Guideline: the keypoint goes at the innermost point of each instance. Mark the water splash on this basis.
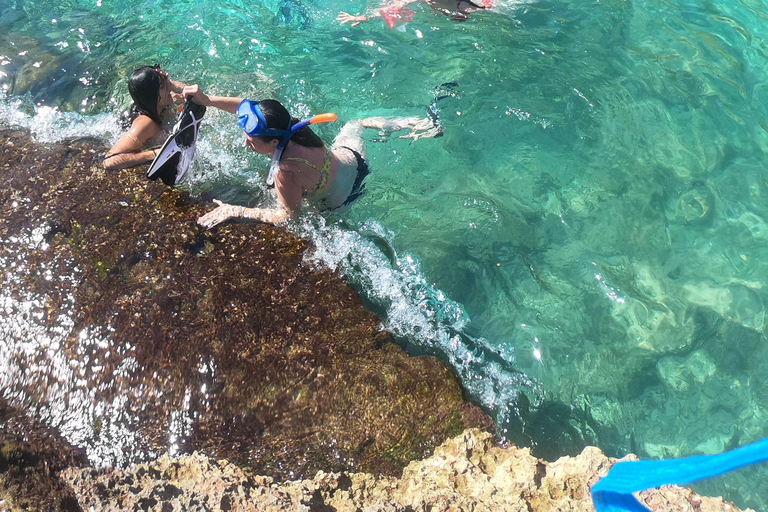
(58, 374)
(49, 124)
(418, 312)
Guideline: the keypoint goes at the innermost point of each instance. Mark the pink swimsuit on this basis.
(394, 13)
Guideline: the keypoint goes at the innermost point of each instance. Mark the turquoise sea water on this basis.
(590, 232)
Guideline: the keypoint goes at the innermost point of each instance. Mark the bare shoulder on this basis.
(290, 175)
(143, 125)
(142, 129)
(289, 167)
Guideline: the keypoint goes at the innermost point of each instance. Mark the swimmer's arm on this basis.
(355, 20)
(288, 200)
(126, 160)
(177, 88)
(128, 152)
(270, 216)
(223, 212)
(226, 103)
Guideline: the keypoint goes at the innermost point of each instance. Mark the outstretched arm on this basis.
(226, 103)
(288, 200)
(355, 19)
(223, 212)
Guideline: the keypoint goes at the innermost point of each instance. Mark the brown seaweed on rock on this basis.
(237, 347)
(31, 456)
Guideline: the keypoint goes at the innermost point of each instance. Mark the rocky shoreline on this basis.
(222, 343)
(469, 473)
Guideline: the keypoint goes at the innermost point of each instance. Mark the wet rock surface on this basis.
(151, 335)
(31, 457)
(466, 473)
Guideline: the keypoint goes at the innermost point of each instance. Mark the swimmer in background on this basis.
(154, 95)
(329, 178)
(397, 12)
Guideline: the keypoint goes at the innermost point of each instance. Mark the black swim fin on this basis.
(442, 91)
(175, 156)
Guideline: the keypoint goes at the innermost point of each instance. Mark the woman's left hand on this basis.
(221, 213)
(166, 80)
(173, 87)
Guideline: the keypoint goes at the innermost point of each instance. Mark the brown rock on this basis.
(224, 339)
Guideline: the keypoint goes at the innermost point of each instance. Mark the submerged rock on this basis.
(135, 332)
(31, 457)
(467, 473)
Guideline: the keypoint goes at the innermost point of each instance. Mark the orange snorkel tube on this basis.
(322, 118)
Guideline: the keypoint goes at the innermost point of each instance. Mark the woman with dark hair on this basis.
(329, 178)
(154, 95)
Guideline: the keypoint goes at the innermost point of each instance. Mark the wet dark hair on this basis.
(144, 86)
(277, 118)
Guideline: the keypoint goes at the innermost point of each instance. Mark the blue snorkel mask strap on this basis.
(281, 146)
(274, 166)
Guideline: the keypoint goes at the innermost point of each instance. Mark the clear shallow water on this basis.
(591, 230)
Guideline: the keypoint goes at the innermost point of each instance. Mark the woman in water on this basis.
(329, 178)
(397, 12)
(153, 95)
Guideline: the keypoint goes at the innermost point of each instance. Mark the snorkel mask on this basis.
(251, 119)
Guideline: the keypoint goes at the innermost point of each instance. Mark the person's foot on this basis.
(442, 91)
(418, 127)
(387, 125)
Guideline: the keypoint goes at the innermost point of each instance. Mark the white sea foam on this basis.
(47, 124)
(36, 373)
(417, 312)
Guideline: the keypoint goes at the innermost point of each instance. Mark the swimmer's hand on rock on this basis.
(345, 17)
(223, 212)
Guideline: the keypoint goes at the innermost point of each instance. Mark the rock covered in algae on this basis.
(182, 339)
(31, 456)
(466, 473)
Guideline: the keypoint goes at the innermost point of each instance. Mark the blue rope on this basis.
(613, 493)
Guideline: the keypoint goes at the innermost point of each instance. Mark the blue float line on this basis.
(613, 492)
